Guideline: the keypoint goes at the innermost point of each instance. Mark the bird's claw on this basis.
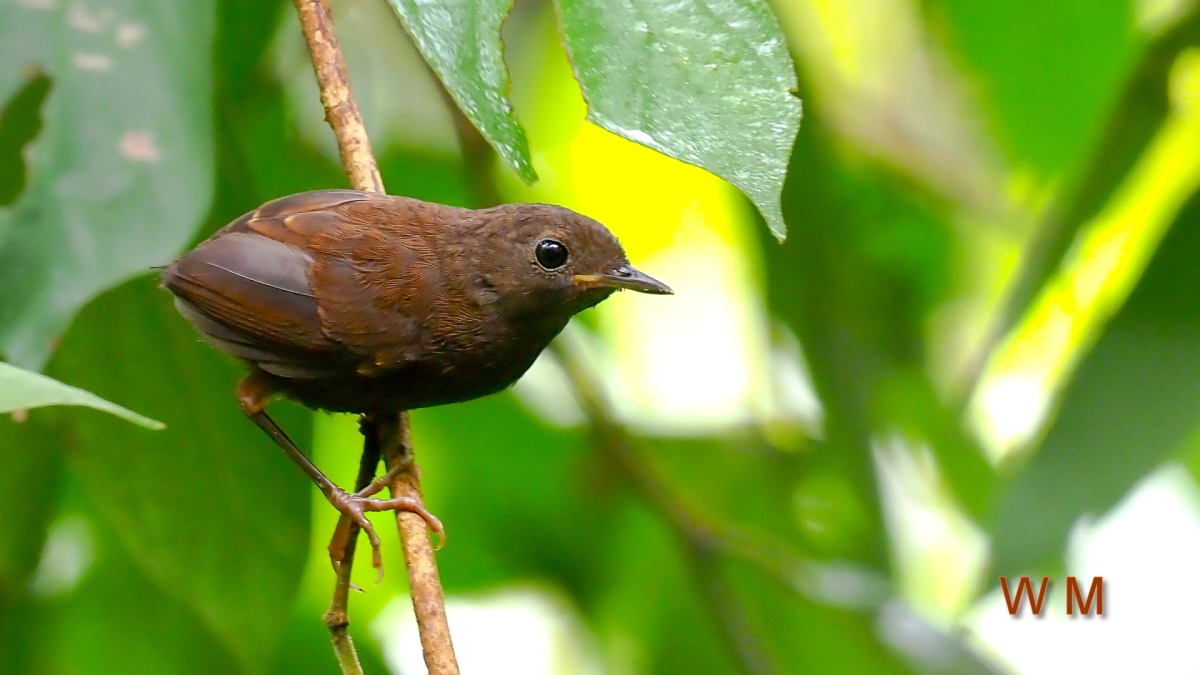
(353, 507)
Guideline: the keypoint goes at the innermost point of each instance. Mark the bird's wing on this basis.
(297, 219)
(317, 283)
(248, 291)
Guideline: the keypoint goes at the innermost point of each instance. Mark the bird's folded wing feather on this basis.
(250, 296)
(247, 289)
(310, 284)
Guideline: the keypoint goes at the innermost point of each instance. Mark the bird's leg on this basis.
(345, 535)
(252, 395)
(366, 487)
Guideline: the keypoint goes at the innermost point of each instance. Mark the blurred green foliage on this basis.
(768, 544)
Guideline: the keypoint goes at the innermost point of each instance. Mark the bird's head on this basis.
(548, 258)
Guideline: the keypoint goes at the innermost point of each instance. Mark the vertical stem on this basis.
(428, 603)
(341, 108)
(387, 435)
(337, 618)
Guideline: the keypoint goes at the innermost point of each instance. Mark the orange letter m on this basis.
(1075, 597)
(1025, 587)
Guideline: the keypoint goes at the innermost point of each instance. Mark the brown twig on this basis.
(387, 436)
(341, 108)
(336, 618)
(426, 586)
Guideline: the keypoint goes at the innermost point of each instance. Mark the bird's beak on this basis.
(628, 278)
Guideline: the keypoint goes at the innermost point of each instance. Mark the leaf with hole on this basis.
(121, 173)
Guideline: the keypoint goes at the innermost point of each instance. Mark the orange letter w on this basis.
(1024, 587)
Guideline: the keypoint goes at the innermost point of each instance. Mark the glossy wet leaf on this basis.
(461, 42)
(1133, 402)
(121, 173)
(22, 389)
(710, 84)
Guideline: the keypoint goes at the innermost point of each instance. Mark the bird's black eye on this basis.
(551, 254)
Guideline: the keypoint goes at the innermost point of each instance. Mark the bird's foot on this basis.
(353, 507)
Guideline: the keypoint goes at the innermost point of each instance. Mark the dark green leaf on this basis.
(32, 455)
(117, 620)
(708, 83)
(210, 509)
(461, 42)
(1133, 402)
(20, 122)
(22, 389)
(121, 174)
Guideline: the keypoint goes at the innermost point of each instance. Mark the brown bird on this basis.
(372, 304)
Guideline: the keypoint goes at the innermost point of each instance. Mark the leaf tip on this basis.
(527, 173)
(772, 213)
(778, 230)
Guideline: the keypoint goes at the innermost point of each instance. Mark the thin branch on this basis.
(390, 436)
(423, 579)
(727, 608)
(341, 108)
(337, 618)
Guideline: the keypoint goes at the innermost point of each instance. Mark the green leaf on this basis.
(461, 42)
(121, 174)
(1133, 402)
(32, 451)
(22, 389)
(710, 84)
(210, 509)
(152, 633)
(1049, 70)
